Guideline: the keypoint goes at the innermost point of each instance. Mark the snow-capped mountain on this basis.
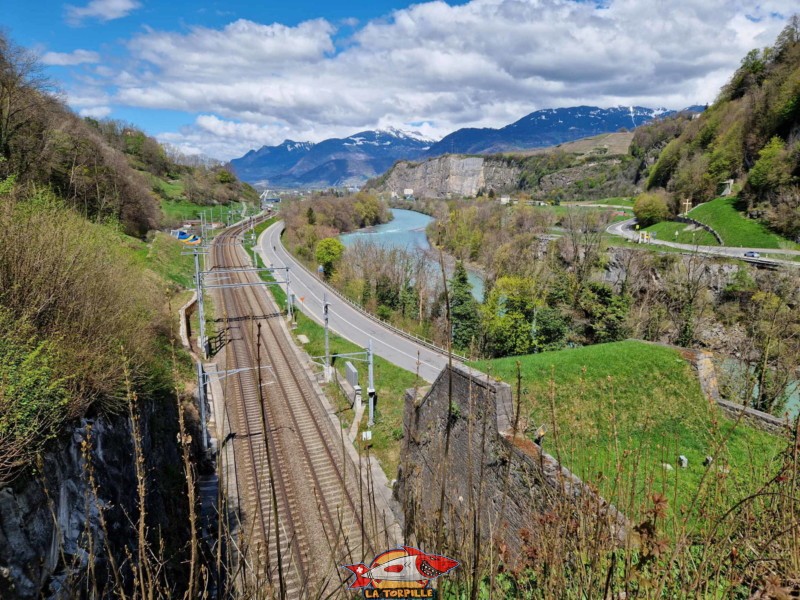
(270, 161)
(547, 127)
(354, 159)
(332, 162)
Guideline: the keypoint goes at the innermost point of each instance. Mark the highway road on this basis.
(626, 229)
(345, 319)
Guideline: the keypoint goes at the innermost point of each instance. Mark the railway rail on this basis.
(307, 506)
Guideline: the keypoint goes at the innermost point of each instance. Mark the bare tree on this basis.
(24, 100)
(686, 286)
(581, 245)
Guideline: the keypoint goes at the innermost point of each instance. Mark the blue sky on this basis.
(220, 77)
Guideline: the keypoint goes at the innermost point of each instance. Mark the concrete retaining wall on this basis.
(706, 373)
(754, 418)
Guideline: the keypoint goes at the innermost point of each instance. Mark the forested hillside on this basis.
(87, 335)
(750, 134)
(105, 170)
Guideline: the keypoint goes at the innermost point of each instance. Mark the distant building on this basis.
(505, 200)
(408, 194)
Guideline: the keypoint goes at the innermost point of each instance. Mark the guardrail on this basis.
(410, 336)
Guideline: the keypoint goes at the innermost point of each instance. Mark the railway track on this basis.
(306, 507)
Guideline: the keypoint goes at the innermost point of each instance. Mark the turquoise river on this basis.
(406, 230)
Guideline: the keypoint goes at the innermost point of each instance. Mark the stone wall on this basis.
(703, 363)
(497, 486)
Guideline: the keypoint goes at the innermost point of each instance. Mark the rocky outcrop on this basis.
(572, 175)
(451, 176)
(55, 523)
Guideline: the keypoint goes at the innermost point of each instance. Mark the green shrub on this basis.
(665, 166)
(770, 170)
(33, 400)
(651, 208)
(329, 252)
(79, 286)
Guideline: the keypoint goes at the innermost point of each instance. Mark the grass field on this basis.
(560, 212)
(176, 211)
(615, 413)
(736, 229)
(172, 189)
(609, 143)
(174, 206)
(687, 234)
(164, 256)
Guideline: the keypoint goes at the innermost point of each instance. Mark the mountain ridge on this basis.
(351, 161)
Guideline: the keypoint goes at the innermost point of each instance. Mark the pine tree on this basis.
(463, 309)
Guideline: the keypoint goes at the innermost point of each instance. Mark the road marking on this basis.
(369, 335)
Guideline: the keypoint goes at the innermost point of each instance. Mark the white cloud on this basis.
(102, 10)
(483, 63)
(87, 98)
(76, 57)
(241, 49)
(95, 112)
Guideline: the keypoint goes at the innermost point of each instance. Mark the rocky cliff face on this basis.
(451, 176)
(56, 526)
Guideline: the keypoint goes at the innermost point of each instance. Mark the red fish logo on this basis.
(404, 567)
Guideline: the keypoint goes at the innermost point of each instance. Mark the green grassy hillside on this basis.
(747, 135)
(687, 234)
(616, 412)
(735, 228)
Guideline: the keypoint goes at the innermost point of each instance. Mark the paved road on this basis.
(346, 320)
(625, 229)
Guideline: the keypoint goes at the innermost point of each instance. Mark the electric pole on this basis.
(370, 386)
(201, 313)
(325, 305)
(289, 299)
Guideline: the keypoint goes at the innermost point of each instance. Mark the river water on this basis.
(406, 230)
